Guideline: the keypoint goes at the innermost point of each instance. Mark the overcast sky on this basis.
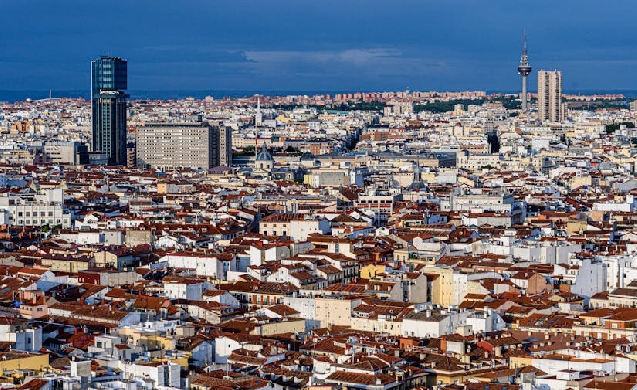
(302, 45)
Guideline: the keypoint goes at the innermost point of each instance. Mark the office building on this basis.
(190, 145)
(58, 152)
(109, 80)
(225, 146)
(549, 91)
(34, 209)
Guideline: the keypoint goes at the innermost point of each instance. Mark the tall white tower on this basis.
(258, 118)
(524, 69)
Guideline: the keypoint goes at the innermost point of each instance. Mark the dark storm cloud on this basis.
(312, 45)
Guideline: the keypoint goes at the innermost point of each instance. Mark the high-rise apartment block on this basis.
(225, 146)
(190, 145)
(109, 80)
(549, 91)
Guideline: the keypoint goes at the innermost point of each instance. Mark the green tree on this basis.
(610, 129)
(445, 106)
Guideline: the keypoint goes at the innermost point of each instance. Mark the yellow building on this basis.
(11, 361)
(393, 328)
(574, 226)
(289, 325)
(579, 181)
(181, 360)
(372, 270)
(442, 287)
(428, 177)
(466, 181)
(400, 255)
(336, 310)
(67, 264)
(149, 338)
(475, 287)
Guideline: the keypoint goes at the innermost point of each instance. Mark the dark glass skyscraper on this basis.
(109, 80)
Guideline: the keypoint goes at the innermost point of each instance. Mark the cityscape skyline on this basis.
(285, 195)
(220, 49)
(14, 96)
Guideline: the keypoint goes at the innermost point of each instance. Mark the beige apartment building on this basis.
(190, 145)
(549, 91)
(333, 310)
